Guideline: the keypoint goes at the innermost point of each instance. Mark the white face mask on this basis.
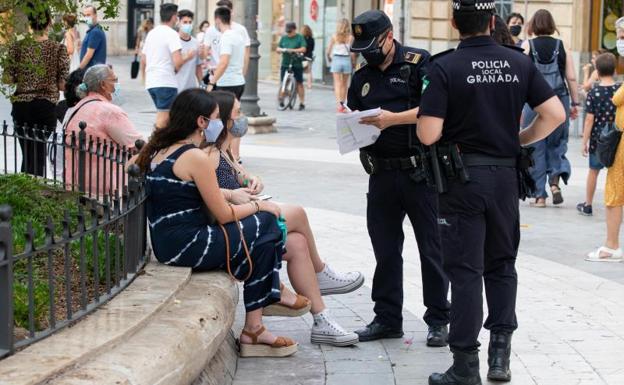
(620, 46)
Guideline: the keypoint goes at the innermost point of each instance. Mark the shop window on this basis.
(504, 7)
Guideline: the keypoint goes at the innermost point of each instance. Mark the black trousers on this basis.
(26, 114)
(392, 195)
(479, 224)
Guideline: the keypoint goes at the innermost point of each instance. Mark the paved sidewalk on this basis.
(571, 324)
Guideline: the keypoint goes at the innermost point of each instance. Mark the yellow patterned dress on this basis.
(614, 189)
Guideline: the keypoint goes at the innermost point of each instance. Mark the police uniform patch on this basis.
(357, 30)
(365, 89)
(425, 84)
(412, 57)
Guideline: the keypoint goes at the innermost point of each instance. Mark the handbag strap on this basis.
(74, 112)
(227, 248)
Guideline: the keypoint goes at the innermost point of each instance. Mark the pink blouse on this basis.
(109, 123)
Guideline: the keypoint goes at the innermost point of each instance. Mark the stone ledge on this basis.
(261, 125)
(107, 327)
(175, 346)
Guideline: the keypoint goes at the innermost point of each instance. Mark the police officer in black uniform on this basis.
(391, 79)
(471, 105)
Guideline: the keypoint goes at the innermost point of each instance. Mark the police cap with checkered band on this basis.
(466, 6)
(367, 27)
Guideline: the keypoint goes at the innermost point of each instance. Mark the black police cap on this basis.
(473, 5)
(367, 27)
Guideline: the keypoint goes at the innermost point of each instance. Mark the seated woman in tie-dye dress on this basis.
(185, 207)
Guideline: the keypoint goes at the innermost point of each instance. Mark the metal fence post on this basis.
(6, 281)
(82, 156)
(132, 225)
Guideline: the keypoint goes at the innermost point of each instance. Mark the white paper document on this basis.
(351, 134)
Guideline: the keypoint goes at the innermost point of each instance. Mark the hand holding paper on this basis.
(351, 134)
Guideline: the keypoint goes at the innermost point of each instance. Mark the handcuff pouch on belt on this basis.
(446, 164)
(526, 184)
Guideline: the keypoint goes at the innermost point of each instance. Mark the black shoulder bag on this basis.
(607, 144)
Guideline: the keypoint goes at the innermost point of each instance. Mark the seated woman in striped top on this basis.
(308, 274)
(192, 225)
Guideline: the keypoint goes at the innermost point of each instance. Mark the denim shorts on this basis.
(163, 97)
(594, 162)
(341, 64)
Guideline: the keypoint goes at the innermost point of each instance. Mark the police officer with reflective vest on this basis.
(391, 79)
(471, 106)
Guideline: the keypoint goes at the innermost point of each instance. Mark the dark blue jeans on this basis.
(550, 153)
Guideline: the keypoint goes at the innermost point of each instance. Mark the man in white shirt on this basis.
(228, 76)
(232, 59)
(162, 58)
(212, 39)
(190, 74)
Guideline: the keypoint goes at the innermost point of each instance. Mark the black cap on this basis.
(465, 6)
(367, 27)
(291, 26)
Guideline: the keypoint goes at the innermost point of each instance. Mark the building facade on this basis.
(584, 25)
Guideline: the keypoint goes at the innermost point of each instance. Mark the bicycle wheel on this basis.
(293, 92)
(283, 90)
(290, 91)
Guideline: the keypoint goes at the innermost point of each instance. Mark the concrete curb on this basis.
(164, 329)
(128, 312)
(175, 346)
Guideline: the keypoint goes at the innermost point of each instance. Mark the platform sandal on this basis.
(301, 306)
(281, 347)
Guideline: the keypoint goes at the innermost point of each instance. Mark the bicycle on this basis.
(287, 95)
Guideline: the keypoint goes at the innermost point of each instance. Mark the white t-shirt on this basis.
(212, 39)
(160, 44)
(232, 44)
(186, 75)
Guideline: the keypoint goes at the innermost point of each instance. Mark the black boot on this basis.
(465, 371)
(498, 357)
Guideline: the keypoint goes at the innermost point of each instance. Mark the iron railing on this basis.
(71, 265)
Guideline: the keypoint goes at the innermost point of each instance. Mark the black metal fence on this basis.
(66, 267)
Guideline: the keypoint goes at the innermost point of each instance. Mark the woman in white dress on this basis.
(71, 40)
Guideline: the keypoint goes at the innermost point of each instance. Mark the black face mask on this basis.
(375, 57)
(515, 30)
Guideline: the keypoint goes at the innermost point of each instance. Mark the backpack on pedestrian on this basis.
(550, 69)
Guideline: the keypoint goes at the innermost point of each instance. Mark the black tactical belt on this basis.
(373, 164)
(472, 160)
(408, 163)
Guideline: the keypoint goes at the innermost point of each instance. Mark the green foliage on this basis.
(36, 201)
(14, 25)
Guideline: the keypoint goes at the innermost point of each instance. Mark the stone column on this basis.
(258, 123)
(249, 100)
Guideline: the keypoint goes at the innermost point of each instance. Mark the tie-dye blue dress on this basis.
(181, 235)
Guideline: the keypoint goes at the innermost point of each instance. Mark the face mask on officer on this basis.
(377, 56)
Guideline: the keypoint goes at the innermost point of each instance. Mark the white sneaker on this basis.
(332, 282)
(327, 331)
(615, 255)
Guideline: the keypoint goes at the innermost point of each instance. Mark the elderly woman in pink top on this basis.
(105, 121)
